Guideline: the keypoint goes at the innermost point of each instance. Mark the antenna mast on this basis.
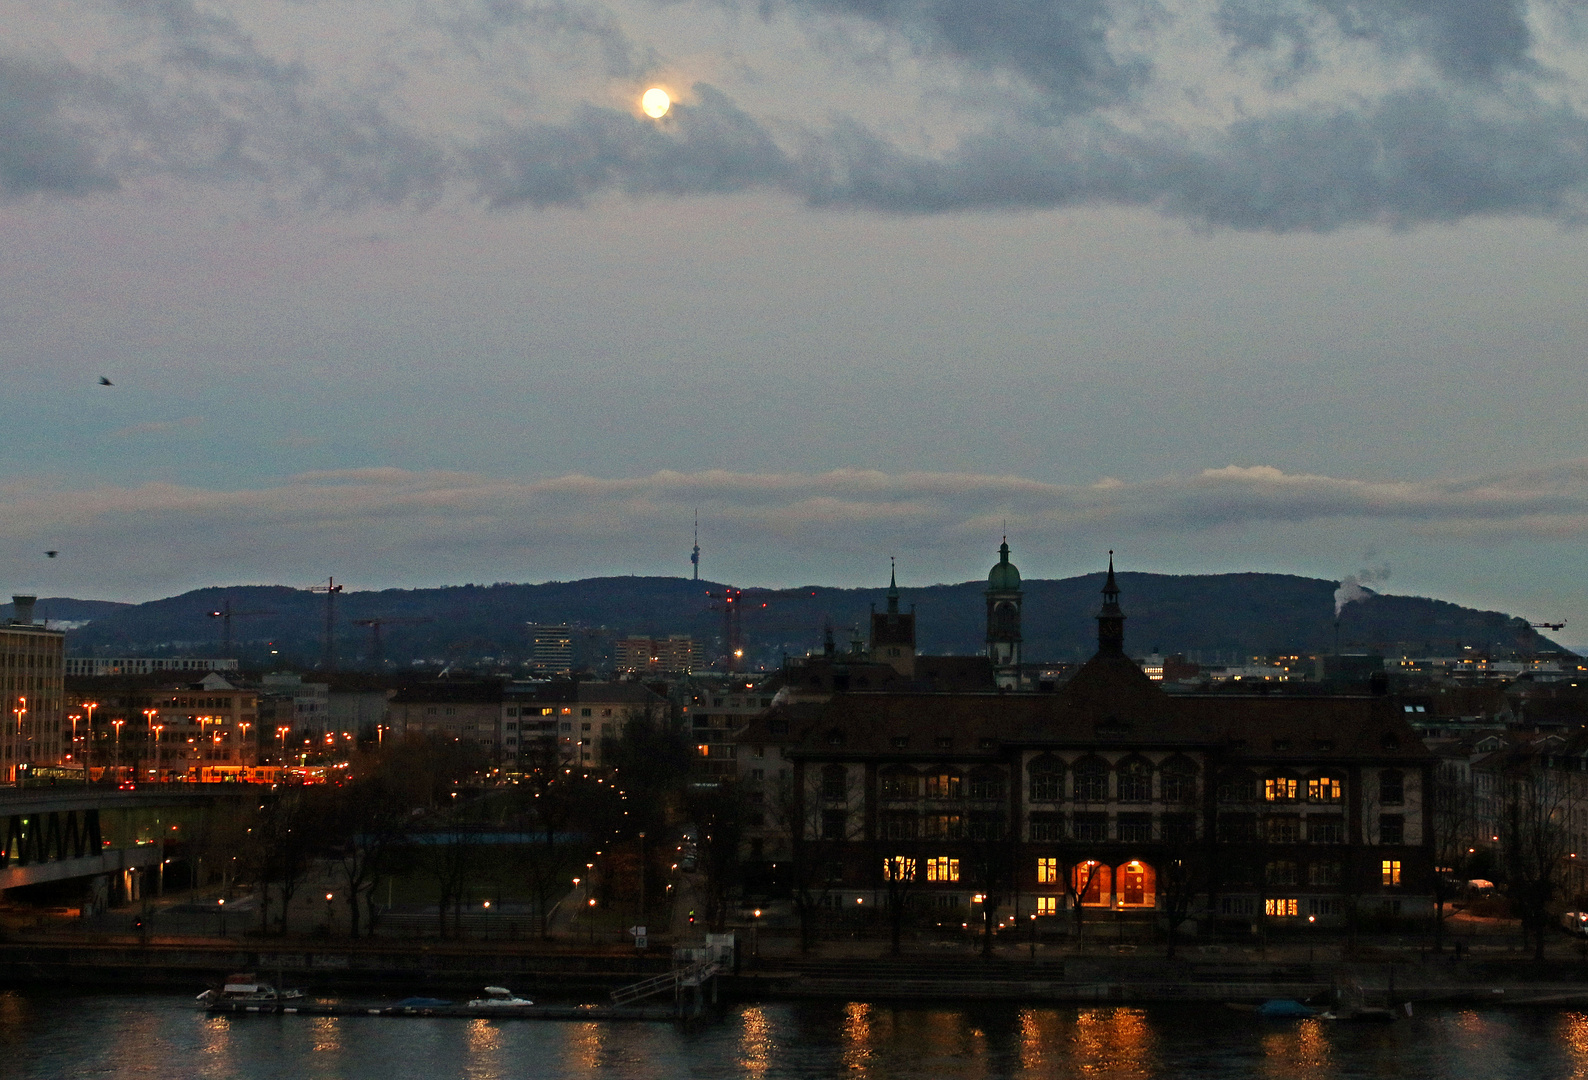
(694, 556)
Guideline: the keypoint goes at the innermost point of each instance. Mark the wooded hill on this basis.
(1212, 617)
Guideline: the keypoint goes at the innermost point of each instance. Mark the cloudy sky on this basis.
(411, 292)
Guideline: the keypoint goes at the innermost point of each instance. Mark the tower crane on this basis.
(376, 652)
(330, 589)
(226, 615)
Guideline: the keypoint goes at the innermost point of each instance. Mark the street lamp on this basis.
(74, 719)
(328, 914)
(222, 903)
(117, 725)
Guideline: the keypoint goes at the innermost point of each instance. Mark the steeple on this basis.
(1110, 619)
(1004, 599)
(893, 587)
(893, 631)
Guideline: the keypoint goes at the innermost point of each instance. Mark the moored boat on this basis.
(246, 989)
(499, 997)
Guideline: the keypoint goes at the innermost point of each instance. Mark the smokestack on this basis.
(23, 609)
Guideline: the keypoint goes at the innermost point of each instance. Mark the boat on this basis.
(499, 997)
(1351, 1006)
(1275, 1009)
(246, 989)
(422, 1003)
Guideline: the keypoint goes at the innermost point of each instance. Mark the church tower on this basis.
(893, 632)
(1110, 619)
(1003, 620)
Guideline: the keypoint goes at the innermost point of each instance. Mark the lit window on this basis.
(1047, 905)
(898, 868)
(1323, 789)
(1047, 871)
(1279, 789)
(1391, 871)
(1281, 907)
(942, 868)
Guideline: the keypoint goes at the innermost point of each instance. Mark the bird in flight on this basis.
(105, 382)
(52, 554)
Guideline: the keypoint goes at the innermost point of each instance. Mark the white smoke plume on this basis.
(1353, 587)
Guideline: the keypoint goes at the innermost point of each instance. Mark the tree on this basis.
(1078, 881)
(281, 844)
(1453, 821)
(1181, 878)
(989, 861)
(816, 838)
(898, 875)
(1532, 819)
(719, 816)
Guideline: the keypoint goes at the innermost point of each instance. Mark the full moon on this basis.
(656, 102)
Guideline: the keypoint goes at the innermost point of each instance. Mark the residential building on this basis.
(553, 648)
(102, 667)
(204, 731)
(676, 654)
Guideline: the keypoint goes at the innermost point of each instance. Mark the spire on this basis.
(893, 587)
(694, 556)
(1110, 619)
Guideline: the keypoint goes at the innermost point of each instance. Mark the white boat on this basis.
(499, 997)
(246, 989)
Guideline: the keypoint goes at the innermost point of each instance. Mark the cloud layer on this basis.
(1292, 115)
(394, 522)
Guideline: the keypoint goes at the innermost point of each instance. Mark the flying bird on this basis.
(52, 554)
(105, 382)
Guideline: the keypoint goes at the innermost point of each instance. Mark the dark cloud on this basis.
(1059, 46)
(40, 149)
(1464, 39)
(473, 23)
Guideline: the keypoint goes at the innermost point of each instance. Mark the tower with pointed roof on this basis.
(1004, 598)
(893, 631)
(1110, 619)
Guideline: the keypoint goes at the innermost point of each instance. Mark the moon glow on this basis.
(656, 103)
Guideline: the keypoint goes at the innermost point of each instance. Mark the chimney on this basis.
(23, 609)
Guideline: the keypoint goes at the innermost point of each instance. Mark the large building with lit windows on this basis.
(1104, 793)
(32, 684)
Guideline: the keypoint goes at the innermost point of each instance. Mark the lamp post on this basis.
(642, 877)
(755, 937)
(117, 725)
(74, 719)
(222, 904)
(148, 718)
(328, 914)
(159, 730)
(21, 710)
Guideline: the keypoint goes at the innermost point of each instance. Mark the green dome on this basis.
(1003, 577)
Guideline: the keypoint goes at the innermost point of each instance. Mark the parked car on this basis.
(1575, 923)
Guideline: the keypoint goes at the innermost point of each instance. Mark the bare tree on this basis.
(1078, 879)
(1534, 843)
(990, 865)
(1182, 877)
(1453, 821)
(816, 837)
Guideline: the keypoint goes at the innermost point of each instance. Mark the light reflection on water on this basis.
(59, 1037)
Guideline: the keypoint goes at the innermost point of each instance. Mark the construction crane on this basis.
(226, 615)
(1548, 625)
(330, 589)
(376, 652)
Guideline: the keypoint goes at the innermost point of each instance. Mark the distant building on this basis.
(553, 651)
(1004, 598)
(289, 702)
(101, 667)
(893, 633)
(676, 654)
(32, 686)
(205, 731)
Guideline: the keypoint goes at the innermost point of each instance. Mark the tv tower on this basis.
(694, 556)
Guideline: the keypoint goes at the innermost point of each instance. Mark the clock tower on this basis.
(1003, 620)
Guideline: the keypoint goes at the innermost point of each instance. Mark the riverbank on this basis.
(864, 974)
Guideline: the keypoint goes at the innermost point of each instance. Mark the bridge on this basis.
(102, 835)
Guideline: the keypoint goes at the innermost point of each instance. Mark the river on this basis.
(54, 1036)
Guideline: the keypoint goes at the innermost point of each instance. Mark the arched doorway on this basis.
(1094, 883)
(1137, 885)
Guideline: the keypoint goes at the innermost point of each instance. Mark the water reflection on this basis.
(755, 1042)
(1115, 1043)
(856, 1035)
(587, 1045)
(1297, 1053)
(327, 1034)
(1574, 1039)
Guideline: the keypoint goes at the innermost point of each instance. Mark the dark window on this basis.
(899, 826)
(1091, 828)
(987, 744)
(835, 782)
(835, 737)
(945, 742)
(986, 787)
(901, 786)
(1135, 781)
(1324, 872)
(1391, 829)
(1047, 827)
(1047, 780)
(1178, 781)
(1284, 830)
(779, 725)
(835, 824)
(1280, 872)
(1091, 781)
(1179, 828)
(901, 742)
(942, 827)
(1237, 788)
(986, 826)
(1325, 830)
(1391, 787)
(1135, 828)
(1238, 828)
